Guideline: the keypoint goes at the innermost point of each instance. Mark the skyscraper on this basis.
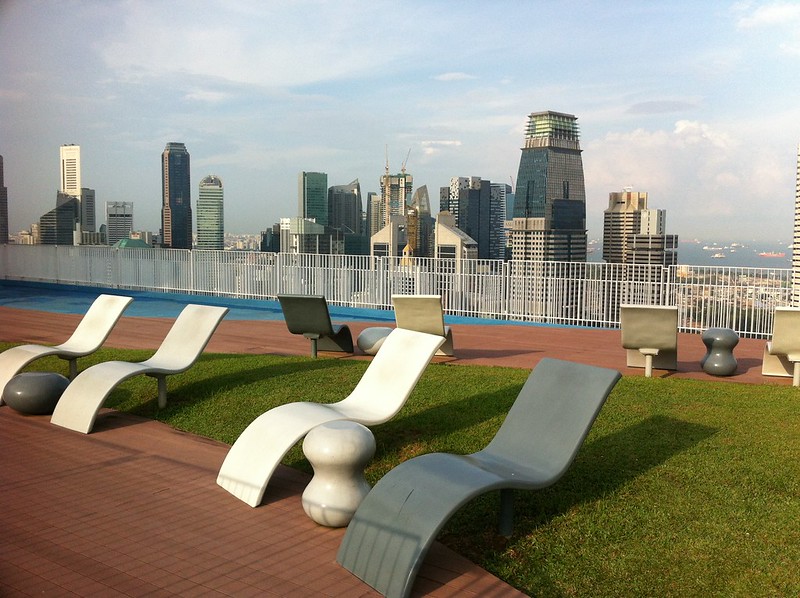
(70, 169)
(550, 198)
(312, 196)
(71, 186)
(796, 240)
(395, 192)
(345, 207)
(420, 224)
(634, 234)
(119, 220)
(478, 211)
(210, 214)
(176, 194)
(3, 207)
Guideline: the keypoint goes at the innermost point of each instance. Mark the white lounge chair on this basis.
(90, 334)
(423, 313)
(650, 336)
(79, 405)
(782, 353)
(378, 396)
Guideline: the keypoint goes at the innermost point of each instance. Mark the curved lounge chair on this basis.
(378, 396)
(308, 315)
(396, 523)
(90, 334)
(78, 407)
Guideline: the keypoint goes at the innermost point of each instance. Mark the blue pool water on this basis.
(68, 299)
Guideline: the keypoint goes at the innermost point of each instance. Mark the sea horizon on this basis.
(737, 254)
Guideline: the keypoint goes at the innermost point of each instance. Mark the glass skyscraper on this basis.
(550, 198)
(176, 206)
(210, 214)
(312, 196)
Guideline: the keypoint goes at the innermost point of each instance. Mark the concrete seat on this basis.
(782, 352)
(35, 393)
(650, 336)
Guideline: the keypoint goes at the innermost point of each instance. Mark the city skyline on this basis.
(693, 103)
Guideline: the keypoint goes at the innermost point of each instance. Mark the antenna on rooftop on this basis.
(387, 158)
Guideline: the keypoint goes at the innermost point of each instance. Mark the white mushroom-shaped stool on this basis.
(338, 451)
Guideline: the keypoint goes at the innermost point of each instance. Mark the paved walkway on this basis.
(133, 508)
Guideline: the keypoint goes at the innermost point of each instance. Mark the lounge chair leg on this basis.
(73, 368)
(505, 524)
(648, 366)
(796, 374)
(314, 348)
(162, 391)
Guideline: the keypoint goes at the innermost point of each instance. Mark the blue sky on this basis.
(697, 103)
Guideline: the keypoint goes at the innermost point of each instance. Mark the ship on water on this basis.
(772, 254)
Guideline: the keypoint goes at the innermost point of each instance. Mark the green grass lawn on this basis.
(683, 487)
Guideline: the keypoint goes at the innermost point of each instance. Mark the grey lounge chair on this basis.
(89, 335)
(396, 523)
(78, 407)
(308, 315)
(378, 396)
(650, 336)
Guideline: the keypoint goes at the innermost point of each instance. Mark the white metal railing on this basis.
(581, 294)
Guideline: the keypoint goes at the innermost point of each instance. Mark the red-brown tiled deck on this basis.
(133, 509)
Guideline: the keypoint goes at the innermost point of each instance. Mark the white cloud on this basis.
(454, 77)
(767, 15)
(694, 133)
(433, 147)
(206, 95)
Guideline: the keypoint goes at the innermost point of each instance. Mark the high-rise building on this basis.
(634, 234)
(3, 207)
(550, 198)
(176, 197)
(478, 211)
(70, 185)
(374, 219)
(303, 235)
(395, 192)
(345, 207)
(312, 196)
(58, 226)
(70, 169)
(119, 221)
(88, 212)
(420, 225)
(210, 214)
(796, 240)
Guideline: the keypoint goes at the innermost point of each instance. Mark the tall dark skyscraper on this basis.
(3, 207)
(550, 199)
(176, 207)
(312, 196)
(345, 207)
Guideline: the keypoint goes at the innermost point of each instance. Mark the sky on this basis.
(695, 103)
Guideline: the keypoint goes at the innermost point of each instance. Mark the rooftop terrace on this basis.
(133, 509)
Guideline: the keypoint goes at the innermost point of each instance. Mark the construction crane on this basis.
(403, 169)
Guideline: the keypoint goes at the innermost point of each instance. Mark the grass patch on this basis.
(683, 487)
